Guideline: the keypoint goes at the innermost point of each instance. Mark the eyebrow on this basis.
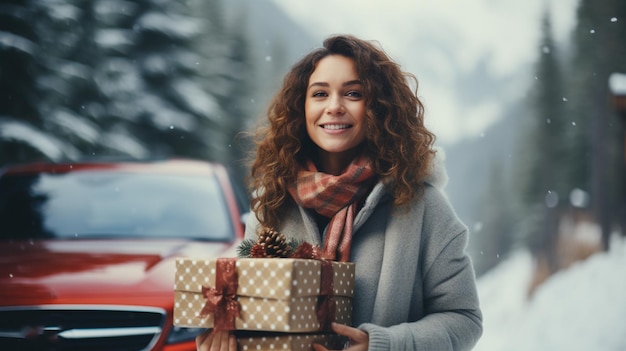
(348, 83)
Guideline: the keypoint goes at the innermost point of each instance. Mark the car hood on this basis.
(47, 271)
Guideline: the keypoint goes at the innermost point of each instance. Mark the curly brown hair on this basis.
(397, 142)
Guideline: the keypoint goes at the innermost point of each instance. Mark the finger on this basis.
(353, 334)
(224, 341)
(232, 343)
(203, 341)
(216, 343)
(319, 347)
(358, 340)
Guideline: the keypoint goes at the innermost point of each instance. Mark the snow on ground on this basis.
(581, 308)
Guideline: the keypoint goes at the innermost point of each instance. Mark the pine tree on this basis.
(151, 94)
(237, 104)
(545, 151)
(66, 55)
(22, 125)
(599, 50)
(228, 75)
(118, 78)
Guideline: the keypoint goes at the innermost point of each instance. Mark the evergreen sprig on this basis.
(245, 248)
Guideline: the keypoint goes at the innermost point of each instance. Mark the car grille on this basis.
(54, 327)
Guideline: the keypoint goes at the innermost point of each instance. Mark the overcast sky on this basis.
(451, 36)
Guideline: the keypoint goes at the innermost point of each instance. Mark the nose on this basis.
(335, 106)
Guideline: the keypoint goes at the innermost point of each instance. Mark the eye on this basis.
(354, 94)
(319, 94)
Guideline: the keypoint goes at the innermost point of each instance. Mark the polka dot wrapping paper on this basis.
(287, 342)
(274, 294)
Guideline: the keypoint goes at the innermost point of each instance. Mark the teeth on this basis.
(336, 126)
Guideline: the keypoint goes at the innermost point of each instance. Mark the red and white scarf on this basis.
(336, 197)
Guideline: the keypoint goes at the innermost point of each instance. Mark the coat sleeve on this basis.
(451, 319)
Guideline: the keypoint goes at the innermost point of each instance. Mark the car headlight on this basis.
(180, 334)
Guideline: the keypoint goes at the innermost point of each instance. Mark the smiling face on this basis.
(335, 112)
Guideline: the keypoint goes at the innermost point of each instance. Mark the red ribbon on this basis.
(307, 251)
(221, 300)
(326, 305)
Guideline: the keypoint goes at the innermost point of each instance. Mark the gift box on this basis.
(272, 294)
(256, 341)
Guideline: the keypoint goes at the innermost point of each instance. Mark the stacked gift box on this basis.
(273, 303)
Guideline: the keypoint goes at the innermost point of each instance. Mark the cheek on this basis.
(308, 118)
(311, 113)
(360, 115)
(307, 109)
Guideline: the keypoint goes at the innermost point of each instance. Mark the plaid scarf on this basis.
(336, 197)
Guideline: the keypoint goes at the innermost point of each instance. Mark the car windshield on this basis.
(92, 204)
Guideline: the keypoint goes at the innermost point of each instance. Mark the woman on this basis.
(346, 163)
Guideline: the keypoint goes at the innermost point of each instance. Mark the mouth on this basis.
(336, 126)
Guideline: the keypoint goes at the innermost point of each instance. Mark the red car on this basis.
(87, 250)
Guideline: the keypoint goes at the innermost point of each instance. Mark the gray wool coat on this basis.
(415, 284)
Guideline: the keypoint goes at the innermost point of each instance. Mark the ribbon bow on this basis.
(221, 300)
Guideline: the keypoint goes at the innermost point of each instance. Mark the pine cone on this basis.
(274, 243)
(258, 251)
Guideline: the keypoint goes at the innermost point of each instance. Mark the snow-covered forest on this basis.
(543, 193)
(557, 159)
(131, 79)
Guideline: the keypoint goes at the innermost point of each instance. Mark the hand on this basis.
(358, 339)
(212, 340)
